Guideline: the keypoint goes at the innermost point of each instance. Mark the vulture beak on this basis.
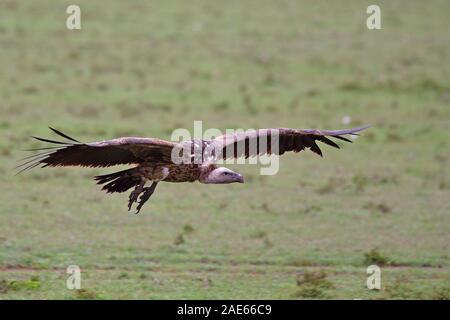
(239, 178)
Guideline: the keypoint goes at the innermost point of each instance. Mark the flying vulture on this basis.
(153, 158)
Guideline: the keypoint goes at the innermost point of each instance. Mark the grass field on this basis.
(145, 68)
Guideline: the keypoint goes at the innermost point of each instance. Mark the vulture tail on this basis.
(119, 181)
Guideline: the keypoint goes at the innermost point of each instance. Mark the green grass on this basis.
(146, 68)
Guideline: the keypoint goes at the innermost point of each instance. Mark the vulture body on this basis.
(153, 159)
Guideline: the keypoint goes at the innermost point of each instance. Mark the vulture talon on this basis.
(135, 195)
(132, 199)
(145, 196)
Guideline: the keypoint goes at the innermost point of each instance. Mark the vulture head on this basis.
(222, 175)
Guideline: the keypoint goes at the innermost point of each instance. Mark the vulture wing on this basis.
(259, 142)
(126, 150)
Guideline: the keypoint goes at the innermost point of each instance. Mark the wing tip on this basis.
(63, 134)
(359, 129)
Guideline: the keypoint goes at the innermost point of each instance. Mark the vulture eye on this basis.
(226, 173)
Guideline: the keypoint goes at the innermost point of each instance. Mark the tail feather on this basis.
(118, 181)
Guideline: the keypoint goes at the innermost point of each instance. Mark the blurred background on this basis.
(144, 68)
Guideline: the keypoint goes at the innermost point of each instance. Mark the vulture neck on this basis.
(205, 170)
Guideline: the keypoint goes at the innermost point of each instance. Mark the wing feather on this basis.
(237, 145)
(125, 150)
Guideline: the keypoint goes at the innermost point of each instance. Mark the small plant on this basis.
(375, 257)
(311, 293)
(30, 284)
(331, 185)
(188, 229)
(272, 109)
(442, 294)
(266, 207)
(327, 188)
(223, 205)
(313, 285)
(399, 289)
(301, 262)
(3, 286)
(179, 240)
(360, 181)
(318, 279)
(268, 243)
(84, 294)
(220, 106)
(258, 234)
(380, 207)
(310, 209)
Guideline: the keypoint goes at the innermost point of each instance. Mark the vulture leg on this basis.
(146, 195)
(135, 194)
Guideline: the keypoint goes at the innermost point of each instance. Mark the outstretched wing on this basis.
(259, 142)
(126, 150)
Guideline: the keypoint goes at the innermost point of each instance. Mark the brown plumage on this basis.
(153, 158)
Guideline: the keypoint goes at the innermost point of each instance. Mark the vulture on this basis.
(154, 160)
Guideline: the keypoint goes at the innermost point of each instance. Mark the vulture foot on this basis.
(145, 196)
(135, 194)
